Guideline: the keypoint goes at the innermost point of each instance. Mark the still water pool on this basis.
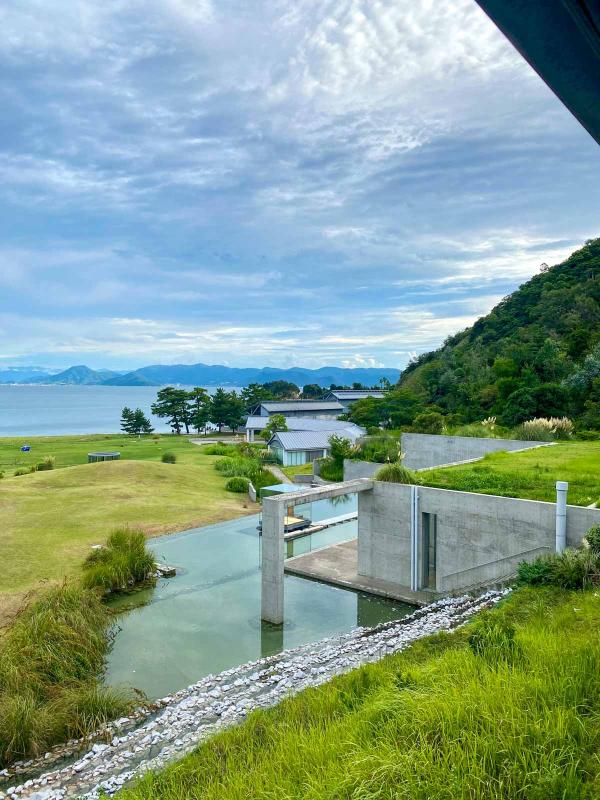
(207, 619)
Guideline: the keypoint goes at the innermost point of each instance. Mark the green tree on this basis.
(200, 408)
(429, 422)
(276, 423)
(127, 420)
(254, 394)
(311, 391)
(282, 390)
(218, 409)
(227, 408)
(235, 411)
(173, 404)
(141, 423)
(340, 448)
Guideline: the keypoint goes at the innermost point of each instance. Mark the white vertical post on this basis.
(561, 515)
(414, 538)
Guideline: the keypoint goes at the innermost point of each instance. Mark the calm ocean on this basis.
(59, 410)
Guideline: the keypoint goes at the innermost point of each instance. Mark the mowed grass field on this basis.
(50, 519)
(531, 474)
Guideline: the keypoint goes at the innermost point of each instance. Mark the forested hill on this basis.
(537, 353)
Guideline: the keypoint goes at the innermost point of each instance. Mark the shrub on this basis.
(380, 449)
(46, 463)
(237, 484)
(168, 458)
(429, 422)
(217, 449)
(571, 569)
(593, 539)
(124, 562)
(331, 470)
(237, 467)
(249, 449)
(575, 569)
(396, 473)
(263, 477)
(1, 474)
(24, 471)
(535, 573)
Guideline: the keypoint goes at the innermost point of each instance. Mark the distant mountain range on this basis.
(197, 375)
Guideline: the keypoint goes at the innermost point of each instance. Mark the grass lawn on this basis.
(71, 450)
(513, 717)
(531, 474)
(50, 519)
(302, 469)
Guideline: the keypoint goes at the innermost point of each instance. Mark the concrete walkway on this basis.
(338, 565)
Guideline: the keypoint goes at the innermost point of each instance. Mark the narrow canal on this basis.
(207, 618)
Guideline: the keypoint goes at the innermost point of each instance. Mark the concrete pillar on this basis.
(414, 538)
(272, 561)
(561, 515)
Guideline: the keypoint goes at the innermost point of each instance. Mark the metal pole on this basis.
(561, 515)
(414, 538)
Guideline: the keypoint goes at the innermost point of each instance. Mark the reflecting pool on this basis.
(207, 619)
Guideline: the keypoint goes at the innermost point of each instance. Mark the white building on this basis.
(256, 425)
(293, 448)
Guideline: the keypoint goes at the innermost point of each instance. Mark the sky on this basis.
(272, 182)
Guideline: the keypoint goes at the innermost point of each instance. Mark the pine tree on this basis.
(127, 421)
(200, 408)
(172, 404)
(141, 422)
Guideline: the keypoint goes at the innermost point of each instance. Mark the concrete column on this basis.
(272, 561)
(561, 515)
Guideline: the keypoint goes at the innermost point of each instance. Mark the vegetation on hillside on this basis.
(536, 354)
(505, 708)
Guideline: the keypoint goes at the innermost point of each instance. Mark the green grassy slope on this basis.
(50, 519)
(531, 474)
(437, 722)
(71, 450)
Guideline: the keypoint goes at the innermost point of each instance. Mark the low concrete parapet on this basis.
(423, 450)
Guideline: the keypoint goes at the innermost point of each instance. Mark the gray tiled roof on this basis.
(304, 424)
(355, 394)
(280, 406)
(313, 440)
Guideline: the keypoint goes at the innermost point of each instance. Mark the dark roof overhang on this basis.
(561, 41)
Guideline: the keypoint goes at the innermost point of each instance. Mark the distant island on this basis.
(198, 375)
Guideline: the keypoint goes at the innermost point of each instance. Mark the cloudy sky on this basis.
(271, 181)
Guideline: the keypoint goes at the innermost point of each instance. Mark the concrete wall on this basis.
(423, 450)
(480, 538)
(359, 469)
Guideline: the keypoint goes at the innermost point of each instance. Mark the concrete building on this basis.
(294, 448)
(256, 425)
(318, 409)
(348, 396)
(417, 543)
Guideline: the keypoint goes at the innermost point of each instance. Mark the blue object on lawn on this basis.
(26, 448)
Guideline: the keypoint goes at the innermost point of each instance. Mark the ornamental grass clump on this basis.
(237, 484)
(545, 429)
(124, 562)
(169, 458)
(52, 658)
(48, 462)
(396, 473)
